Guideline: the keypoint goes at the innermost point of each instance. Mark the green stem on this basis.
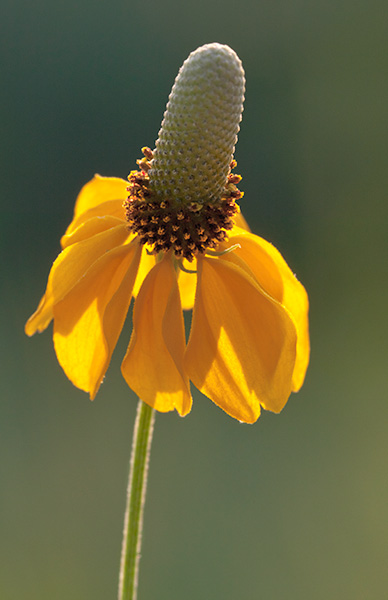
(130, 553)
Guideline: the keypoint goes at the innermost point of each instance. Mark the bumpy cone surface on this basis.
(199, 131)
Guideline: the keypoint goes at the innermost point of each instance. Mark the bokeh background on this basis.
(295, 506)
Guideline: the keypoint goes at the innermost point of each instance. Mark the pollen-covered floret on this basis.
(188, 229)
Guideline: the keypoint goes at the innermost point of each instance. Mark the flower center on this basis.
(188, 229)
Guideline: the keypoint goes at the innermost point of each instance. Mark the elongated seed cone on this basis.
(199, 130)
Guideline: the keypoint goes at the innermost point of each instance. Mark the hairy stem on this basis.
(133, 523)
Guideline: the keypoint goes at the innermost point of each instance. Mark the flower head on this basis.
(173, 238)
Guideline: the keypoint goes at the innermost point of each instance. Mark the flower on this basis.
(248, 345)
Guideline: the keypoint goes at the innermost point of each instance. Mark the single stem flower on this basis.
(173, 238)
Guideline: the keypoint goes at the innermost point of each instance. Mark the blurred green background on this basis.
(295, 506)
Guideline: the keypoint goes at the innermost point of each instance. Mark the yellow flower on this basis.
(248, 345)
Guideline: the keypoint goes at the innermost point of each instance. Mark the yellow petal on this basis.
(41, 318)
(146, 264)
(153, 365)
(101, 196)
(242, 345)
(88, 321)
(241, 222)
(68, 268)
(89, 228)
(274, 275)
(99, 190)
(187, 283)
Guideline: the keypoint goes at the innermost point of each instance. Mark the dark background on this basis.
(295, 506)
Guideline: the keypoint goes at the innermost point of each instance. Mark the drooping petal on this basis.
(68, 268)
(242, 345)
(146, 264)
(90, 228)
(113, 208)
(186, 281)
(99, 190)
(153, 365)
(88, 321)
(187, 284)
(102, 196)
(274, 275)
